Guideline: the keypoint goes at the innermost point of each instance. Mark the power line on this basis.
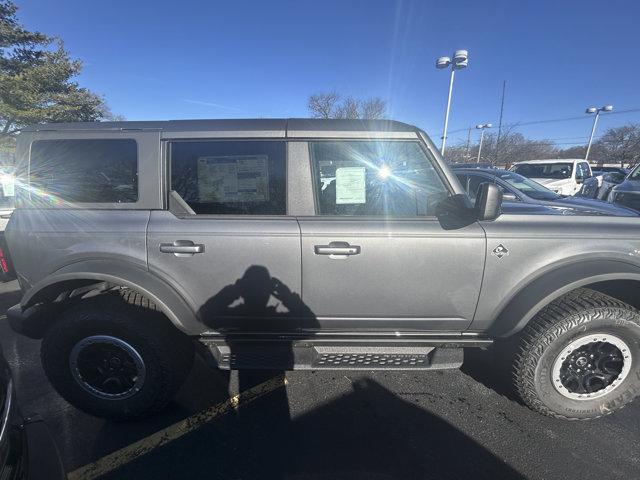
(553, 120)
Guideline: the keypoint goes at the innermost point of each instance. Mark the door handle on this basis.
(182, 248)
(337, 248)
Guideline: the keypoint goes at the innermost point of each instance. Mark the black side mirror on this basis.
(488, 202)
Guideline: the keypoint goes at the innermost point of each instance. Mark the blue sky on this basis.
(238, 59)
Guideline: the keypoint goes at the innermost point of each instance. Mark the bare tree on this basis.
(373, 108)
(332, 105)
(620, 145)
(323, 105)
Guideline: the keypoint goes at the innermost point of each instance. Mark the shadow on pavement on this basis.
(369, 433)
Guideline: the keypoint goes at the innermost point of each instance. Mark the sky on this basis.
(157, 60)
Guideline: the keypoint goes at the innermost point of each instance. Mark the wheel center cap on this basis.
(115, 362)
(582, 361)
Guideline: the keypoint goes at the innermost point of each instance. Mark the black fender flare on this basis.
(551, 285)
(177, 309)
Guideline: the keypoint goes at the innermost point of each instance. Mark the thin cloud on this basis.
(212, 104)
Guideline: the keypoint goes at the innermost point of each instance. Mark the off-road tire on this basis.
(573, 316)
(167, 354)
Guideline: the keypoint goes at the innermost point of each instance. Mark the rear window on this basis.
(223, 177)
(84, 171)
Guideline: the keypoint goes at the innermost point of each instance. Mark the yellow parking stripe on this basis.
(131, 452)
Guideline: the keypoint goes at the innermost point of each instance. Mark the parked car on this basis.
(604, 179)
(136, 240)
(627, 191)
(564, 176)
(27, 449)
(521, 195)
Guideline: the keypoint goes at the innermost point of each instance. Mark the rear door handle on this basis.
(182, 248)
(337, 248)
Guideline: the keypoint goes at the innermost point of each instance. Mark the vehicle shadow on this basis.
(491, 368)
(369, 433)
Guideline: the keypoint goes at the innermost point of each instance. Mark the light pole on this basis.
(482, 127)
(590, 110)
(460, 61)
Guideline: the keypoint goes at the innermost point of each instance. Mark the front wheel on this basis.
(579, 358)
(115, 360)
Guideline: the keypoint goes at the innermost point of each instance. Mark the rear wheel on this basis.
(115, 360)
(579, 358)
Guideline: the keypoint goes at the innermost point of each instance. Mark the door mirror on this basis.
(488, 202)
(613, 177)
(510, 197)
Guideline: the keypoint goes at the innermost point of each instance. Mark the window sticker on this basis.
(233, 178)
(351, 185)
(8, 185)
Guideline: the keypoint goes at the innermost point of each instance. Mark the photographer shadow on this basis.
(260, 304)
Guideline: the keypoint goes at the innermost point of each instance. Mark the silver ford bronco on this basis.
(304, 244)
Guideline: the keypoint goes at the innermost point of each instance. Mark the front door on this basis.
(375, 258)
(232, 252)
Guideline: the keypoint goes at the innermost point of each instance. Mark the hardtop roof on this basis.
(272, 127)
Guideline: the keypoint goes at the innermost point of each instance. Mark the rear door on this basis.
(374, 257)
(228, 244)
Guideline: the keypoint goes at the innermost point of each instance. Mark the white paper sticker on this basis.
(8, 185)
(233, 178)
(351, 185)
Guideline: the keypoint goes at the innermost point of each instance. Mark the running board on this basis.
(304, 356)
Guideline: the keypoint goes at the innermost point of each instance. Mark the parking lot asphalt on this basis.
(329, 425)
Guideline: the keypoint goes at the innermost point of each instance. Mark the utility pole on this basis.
(504, 86)
(467, 154)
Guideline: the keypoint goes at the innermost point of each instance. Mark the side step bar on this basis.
(323, 355)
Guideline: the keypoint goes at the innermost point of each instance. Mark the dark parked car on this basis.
(627, 193)
(522, 195)
(27, 450)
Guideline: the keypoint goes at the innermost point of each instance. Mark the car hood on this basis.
(590, 206)
(552, 182)
(629, 186)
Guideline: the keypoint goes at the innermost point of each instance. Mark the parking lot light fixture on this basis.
(590, 110)
(482, 127)
(460, 61)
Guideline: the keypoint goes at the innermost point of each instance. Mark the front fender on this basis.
(544, 289)
(180, 311)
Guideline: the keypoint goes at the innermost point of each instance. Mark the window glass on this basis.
(230, 177)
(84, 171)
(526, 186)
(375, 178)
(544, 170)
(583, 170)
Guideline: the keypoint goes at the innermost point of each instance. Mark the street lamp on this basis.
(590, 110)
(460, 61)
(482, 127)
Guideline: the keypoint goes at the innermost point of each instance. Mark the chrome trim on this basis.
(8, 405)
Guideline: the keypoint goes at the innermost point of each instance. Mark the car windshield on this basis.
(528, 187)
(558, 170)
(635, 174)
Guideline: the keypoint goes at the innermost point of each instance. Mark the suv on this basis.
(565, 177)
(304, 244)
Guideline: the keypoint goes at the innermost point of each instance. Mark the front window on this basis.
(528, 187)
(395, 179)
(558, 170)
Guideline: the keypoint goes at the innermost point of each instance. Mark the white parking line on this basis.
(131, 452)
